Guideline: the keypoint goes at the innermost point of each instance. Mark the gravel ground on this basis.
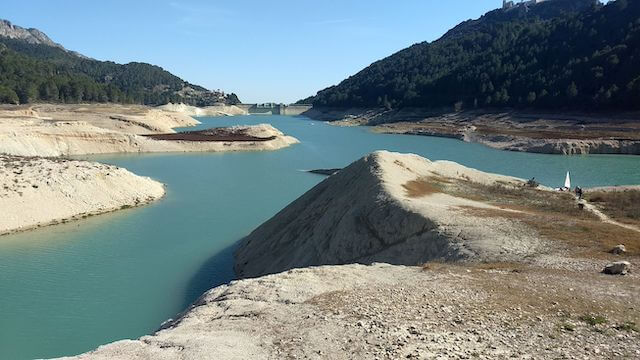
(440, 311)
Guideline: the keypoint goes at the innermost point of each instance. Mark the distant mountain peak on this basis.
(31, 36)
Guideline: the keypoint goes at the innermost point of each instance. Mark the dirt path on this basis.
(603, 217)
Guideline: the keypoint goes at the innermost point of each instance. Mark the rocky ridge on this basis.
(31, 36)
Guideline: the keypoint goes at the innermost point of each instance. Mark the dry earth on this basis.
(36, 191)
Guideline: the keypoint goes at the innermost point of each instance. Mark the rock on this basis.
(31, 36)
(620, 249)
(326, 172)
(617, 268)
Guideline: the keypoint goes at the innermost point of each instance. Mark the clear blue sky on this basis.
(279, 50)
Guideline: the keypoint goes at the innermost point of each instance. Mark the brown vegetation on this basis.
(555, 216)
(623, 206)
(421, 187)
(216, 134)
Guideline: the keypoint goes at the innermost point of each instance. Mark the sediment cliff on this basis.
(216, 110)
(566, 146)
(79, 138)
(41, 191)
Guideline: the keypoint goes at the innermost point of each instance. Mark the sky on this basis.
(264, 51)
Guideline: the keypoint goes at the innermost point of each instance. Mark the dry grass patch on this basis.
(522, 197)
(500, 266)
(556, 294)
(623, 206)
(590, 237)
(586, 235)
(554, 215)
(422, 187)
(434, 265)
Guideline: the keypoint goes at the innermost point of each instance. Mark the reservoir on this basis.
(68, 288)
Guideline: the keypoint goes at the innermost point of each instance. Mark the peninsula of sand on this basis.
(399, 257)
(39, 187)
(62, 130)
(37, 191)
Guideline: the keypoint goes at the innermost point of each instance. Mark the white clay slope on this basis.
(363, 214)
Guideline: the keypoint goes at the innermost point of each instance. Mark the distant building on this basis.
(506, 4)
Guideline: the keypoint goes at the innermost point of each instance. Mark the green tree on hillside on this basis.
(576, 54)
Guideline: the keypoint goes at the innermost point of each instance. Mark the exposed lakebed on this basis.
(69, 288)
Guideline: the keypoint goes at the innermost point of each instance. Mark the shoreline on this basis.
(34, 139)
(77, 217)
(68, 130)
(534, 132)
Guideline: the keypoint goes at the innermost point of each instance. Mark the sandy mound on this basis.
(368, 212)
(217, 110)
(67, 189)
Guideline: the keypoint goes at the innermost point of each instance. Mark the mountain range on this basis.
(557, 54)
(34, 68)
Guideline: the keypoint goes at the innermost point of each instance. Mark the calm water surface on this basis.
(69, 288)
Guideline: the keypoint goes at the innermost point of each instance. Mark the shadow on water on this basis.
(216, 271)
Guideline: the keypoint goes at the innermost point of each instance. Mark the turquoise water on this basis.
(69, 288)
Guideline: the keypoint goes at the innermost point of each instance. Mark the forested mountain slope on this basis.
(560, 54)
(33, 68)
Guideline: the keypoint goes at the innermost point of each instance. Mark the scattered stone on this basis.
(618, 250)
(617, 268)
